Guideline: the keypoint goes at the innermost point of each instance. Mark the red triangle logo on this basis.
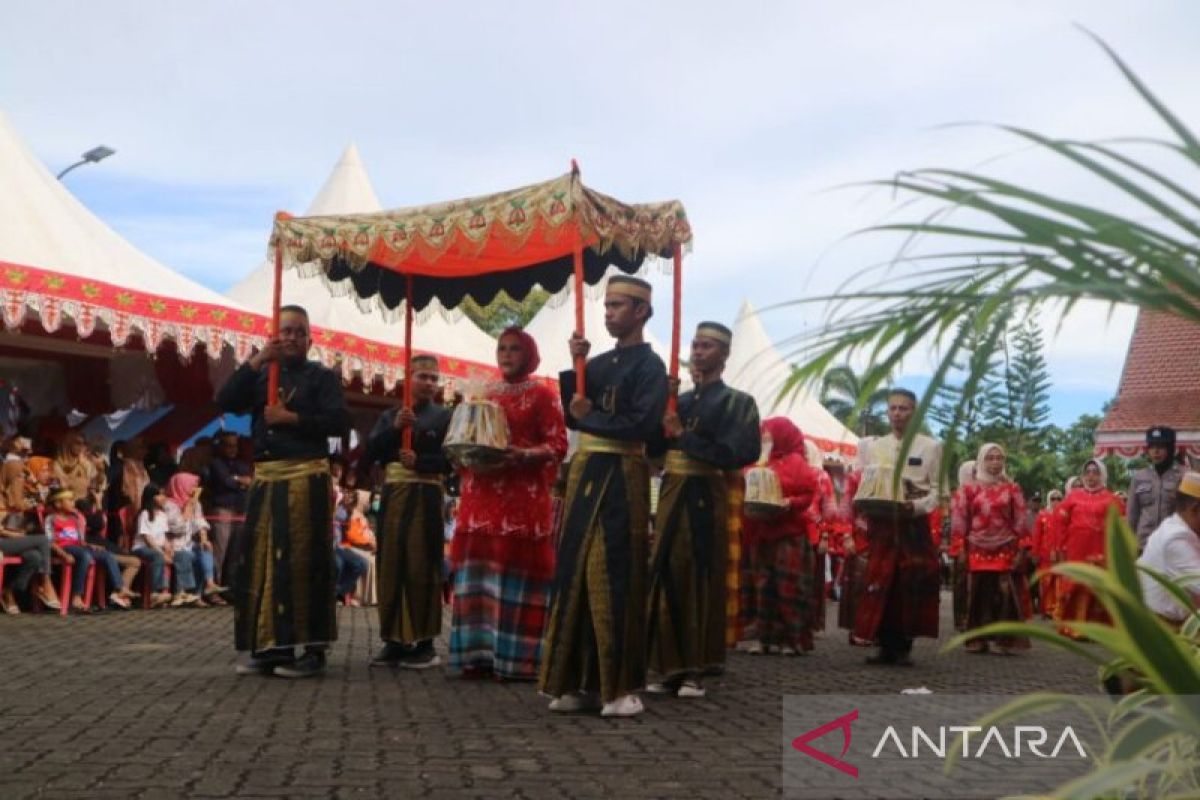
(843, 722)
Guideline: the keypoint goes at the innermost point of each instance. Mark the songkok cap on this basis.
(716, 331)
(426, 361)
(629, 286)
(1161, 436)
(1190, 484)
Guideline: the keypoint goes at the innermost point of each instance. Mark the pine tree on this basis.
(1026, 386)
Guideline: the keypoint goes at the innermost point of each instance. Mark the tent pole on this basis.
(676, 313)
(276, 302)
(408, 323)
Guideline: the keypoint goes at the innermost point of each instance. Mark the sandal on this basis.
(10, 607)
(51, 603)
(215, 600)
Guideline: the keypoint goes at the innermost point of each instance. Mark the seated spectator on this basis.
(74, 468)
(351, 568)
(187, 533)
(134, 478)
(229, 479)
(39, 479)
(150, 542)
(360, 539)
(128, 563)
(14, 499)
(160, 464)
(66, 529)
(34, 549)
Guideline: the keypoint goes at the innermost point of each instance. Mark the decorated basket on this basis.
(478, 434)
(764, 496)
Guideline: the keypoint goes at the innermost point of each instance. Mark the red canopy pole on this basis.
(676, 313)
(276, 302)
(408, 323)
(580, 361)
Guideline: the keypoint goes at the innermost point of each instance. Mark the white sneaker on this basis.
(575, 702)
(754, 648)
(658, 688)
(629, 705)
(691, 690)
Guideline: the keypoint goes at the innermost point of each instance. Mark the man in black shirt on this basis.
(411, 531)
(284, 596)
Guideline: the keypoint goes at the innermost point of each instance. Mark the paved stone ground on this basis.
(146, 705)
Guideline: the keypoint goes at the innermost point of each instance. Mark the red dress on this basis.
(990, 522)
(1047, 542)
(1082, 516)
(505, 517)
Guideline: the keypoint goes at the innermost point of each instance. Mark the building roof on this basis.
(1160, 385)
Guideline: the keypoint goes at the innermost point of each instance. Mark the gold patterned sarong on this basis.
(410, 559)
(284, 592)
(595, 633)
(687, 606)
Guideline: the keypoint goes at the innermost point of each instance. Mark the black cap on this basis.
(1161, 436)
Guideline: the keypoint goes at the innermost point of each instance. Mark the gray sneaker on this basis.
(423, 656)
(309, 665)
(265, 664)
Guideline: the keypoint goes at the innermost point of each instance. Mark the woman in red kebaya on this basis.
(990, 539)
(779, 610)
(1047, 539)
(502, 554)
(854, 554)
(1083, 514)
(822, 515)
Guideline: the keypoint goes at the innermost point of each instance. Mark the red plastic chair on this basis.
(7, 561)
(64, 589)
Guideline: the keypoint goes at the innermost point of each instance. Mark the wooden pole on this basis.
(408, 324)
(676, 314)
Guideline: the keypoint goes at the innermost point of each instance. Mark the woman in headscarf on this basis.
(822, 516)
(778, 611)
(502, 552)
(958, 568)
(1083, 514)
(990, 540)
(188, 536)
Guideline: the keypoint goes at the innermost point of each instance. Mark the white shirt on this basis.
(152, 532)
(922, 466)
(1172, 550)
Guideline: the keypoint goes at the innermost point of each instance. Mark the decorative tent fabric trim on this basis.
(1131, 444)
(88, 304)
(512, 240)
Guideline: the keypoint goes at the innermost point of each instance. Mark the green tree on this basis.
(1025, 402)
(504, 312)
(841, 388)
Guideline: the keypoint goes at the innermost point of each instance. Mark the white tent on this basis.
(43, 225)
(554, 324)
(348, 190)
(755, 366)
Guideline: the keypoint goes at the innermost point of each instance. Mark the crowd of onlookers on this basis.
(134, 525)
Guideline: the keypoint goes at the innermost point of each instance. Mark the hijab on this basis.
(1103, 475)
(529, 349)
(180, 487)
(786, 438)
(981, 474)
(966, 473)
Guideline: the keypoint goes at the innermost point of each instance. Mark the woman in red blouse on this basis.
(990, 539)
(1047, 535)
(778, 611)
(502, 551)
(1082, 515)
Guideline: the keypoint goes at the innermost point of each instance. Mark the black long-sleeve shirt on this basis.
(720, 426)
(429, 432)
(225, 490)
(628, 390)
(313, 392)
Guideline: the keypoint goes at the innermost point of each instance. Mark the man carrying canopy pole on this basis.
(411, 530)
(284, 592)
(714, 431)
(594, 649)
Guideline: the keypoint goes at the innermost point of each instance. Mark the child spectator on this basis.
(150, 542)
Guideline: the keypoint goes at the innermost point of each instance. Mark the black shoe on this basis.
(390, 655)
(265, 663)
(423, 656)
(309, 665)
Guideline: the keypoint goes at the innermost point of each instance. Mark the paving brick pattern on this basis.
(146, 705)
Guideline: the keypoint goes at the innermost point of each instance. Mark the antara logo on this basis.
(801, 743)
(1021, 739)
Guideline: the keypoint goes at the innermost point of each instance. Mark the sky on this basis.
(760, 117)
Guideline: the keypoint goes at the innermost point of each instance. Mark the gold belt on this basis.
(289, 469)
(598, 444)
(398, 473)
(680, 463)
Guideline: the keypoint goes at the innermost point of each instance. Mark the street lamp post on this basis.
(90, 157)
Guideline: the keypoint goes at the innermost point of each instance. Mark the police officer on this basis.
(1152, 490)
